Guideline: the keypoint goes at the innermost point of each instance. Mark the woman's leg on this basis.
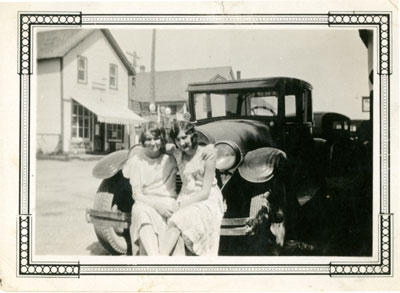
(171, 237)
(179, 249)
(149, 239)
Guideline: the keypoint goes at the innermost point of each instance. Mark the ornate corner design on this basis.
(27, 21)
(383, 266)
(26, 267)
(381, 21)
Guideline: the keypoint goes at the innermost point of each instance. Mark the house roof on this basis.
(57, 43)
(171, 85)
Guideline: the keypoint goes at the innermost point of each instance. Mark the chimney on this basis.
(238, 75)
(142, 68)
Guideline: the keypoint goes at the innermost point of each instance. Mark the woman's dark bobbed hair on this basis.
(156, 130)
(187, 127)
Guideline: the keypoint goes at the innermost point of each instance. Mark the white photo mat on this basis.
(380, 266)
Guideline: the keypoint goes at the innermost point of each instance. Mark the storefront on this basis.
(101, 127)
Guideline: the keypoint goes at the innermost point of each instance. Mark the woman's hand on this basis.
(208, 152)
(175, 206)
(170, 148)
(164, 209)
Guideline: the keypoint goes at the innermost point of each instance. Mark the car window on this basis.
(309, 112)
(337, 125)
(290, 107)
(211, 105)
(264, 105)
(218, 105)
(202, 106)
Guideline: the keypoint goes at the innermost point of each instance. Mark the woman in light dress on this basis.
(200, 207)
(152, 175)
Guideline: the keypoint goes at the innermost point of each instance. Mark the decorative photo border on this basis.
(380, 21)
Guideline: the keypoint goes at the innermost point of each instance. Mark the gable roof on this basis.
(171, 85)
(57, 43)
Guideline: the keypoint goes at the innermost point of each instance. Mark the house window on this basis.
(145, 106)
(115, 132)
(173, 108)
(82, 69)
(81, 121)
(134, 106)
(366, 107)
(113, 76)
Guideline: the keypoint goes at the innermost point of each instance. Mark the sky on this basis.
(333, 60)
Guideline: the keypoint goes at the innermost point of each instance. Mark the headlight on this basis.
(228, 155)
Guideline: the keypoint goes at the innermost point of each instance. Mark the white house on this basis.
(83, 87)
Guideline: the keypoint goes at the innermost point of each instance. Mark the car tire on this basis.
(114, 242)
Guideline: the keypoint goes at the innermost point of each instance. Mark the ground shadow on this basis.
(96, 249)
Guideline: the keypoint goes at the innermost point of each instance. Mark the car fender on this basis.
(112, 163)
(260, 165)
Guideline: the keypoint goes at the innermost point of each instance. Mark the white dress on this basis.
(199, 222)
(150, 177)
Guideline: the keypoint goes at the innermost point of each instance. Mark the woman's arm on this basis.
(208, 151)
(204, 193)
(148, 199)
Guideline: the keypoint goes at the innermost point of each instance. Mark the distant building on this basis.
(367, 37)
(83, 86)
(170, 87)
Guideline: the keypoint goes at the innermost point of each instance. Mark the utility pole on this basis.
(131, 127)
(153, 69)
(135, 58)
(132, 80)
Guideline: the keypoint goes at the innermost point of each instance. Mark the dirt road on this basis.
(64, 189)
(339, 224)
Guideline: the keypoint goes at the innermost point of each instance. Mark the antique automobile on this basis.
(344, 151)
(334, 128)
(346, 154)
(268, 164)
(331, 126)
(361, 130)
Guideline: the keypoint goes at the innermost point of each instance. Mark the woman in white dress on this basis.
(152, 175)
(200, 207)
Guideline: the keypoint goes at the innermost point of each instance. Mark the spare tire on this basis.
(113, 192)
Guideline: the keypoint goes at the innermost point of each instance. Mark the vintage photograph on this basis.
(231, 146)
(203, 141)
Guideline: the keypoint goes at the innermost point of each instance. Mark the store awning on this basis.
(109, 112)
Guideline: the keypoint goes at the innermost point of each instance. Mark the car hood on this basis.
(247, 134)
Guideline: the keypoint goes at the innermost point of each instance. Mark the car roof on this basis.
(330, 115)
(244, 84)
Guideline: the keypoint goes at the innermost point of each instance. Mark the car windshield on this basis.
(256, 103)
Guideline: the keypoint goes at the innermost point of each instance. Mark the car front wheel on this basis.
(111, 197)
